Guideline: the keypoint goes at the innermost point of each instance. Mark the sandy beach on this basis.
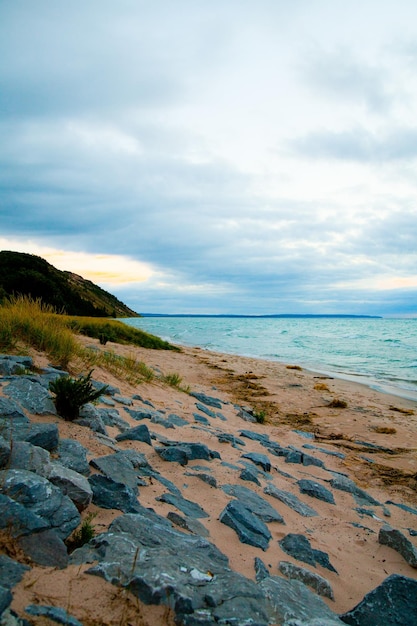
(356, 431)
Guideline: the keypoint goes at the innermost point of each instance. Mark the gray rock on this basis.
(123, 400)
(138, 433)
(45, 548)
(209, 400)
(397, 541)
(249, 528)
(4, 452)
(261, 570)
(142, 414)
(43, 435)
(311, 579)
(392, 603)
(109, 494)
(255, 503)
(26, 456)
(119, 468)
(229, 438)
(290, 500)
(191, 509)
(18, 519)
(10, 364)
(309, 446)
(201, 419)
(42, 498)
(259, 459)
(315, 490)
(207, 478)
(205, 410)
(72, 484)
(11, 411)
(192, 525)
(245, 415)
(343, 483)
(182, 452)
(91, 418)
(111, 417)
(56, 614)
(5, 599)
(73, 455)
(162, 421)
(162, 565)
(292, 600)
(31, 395)
(173, 454)
(299, 547)
(250, 434)
(249, 475)
(176, 420)
(404, 507)
(11, 572)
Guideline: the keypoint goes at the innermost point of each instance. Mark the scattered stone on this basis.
(299, 547)
(339, 455)
(315, 490)
(404, 507)
(293, 603)
(311, 579)
(343, 483)
(205, 410)
(249, 528)
(142, 414)
(18, 519)
(174, 454)
(90, 417)
(45, 548)
(123, 400)
(176, 420)
(119, 467)
(207, 478)
(186, 452)
(290, 500)
(249, 475)
(138, 433)
(262, 438)
(259, 459)
(109, 494)
(72, 484)
(73, 455)
(392, 603)
(10, 365)
(245, 415)
(4, 452)
(11, 572)
(42, 498)
(191, 509)
(369, 512)
(192, 525)
(31, 395)
(43, 435)
(261, 570)
(254, 503)
(209, 400)
(111, 417)
(5, 599)
(229, 438)
(58, 615)
(397, 541)
(201, 419)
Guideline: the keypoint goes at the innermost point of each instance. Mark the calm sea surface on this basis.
(381, 353)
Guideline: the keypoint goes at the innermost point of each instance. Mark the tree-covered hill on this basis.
(30, 275)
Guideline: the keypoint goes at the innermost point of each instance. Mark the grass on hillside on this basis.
(30, 323)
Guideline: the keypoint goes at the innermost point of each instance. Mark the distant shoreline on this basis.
(278, 316)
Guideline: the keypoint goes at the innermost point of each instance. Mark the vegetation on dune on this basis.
(27, 323)
(113, 330)
(71, 394)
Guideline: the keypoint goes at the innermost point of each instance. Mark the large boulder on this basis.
(30, 394)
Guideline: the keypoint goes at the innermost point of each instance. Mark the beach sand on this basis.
(376, 434)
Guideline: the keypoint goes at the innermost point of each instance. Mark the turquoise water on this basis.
(381, 353)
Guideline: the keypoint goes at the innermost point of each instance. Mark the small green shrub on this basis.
(73, 393)
(260, 416)
(83, 535)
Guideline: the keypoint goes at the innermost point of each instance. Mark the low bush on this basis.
(73, 393)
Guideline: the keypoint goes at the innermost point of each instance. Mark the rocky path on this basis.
(175, 488)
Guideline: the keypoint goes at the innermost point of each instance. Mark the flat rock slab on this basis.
(162, 565)
(400, 543)
(72, 484)
(31, 395)
(45, 548)
(292, 600)
(192, 525)
(255, 503)
(343, 483)
(109, 494)
(191, 509)
(315, 490)
(290, 500)
(138, 433)
(259, 459)
(392, 603)
(119, 467)
(42, 498)
(311, 579)
(73, 455)
(28, 457)
(53, 613)
(299, 547)
(249, 528)
(184, 452)
(11, 572)
(18, 519)
(209, 400)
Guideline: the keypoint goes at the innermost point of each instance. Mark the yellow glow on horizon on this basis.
(104, 269)
(382, 283)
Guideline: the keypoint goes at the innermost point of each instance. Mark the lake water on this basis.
(381, 353)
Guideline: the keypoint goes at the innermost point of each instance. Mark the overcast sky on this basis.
(215, 156)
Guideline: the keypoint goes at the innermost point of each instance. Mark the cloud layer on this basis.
(247, 157)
